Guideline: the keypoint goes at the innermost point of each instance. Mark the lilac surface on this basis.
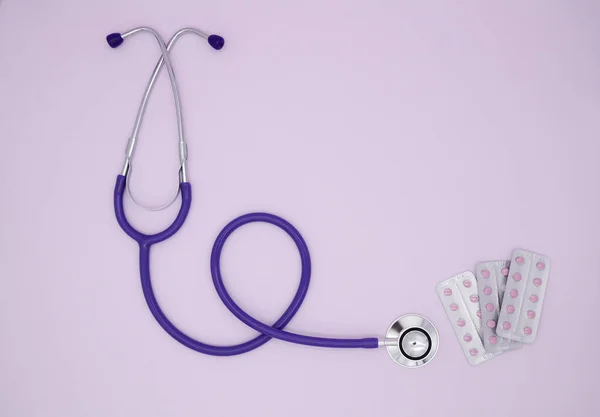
(408, 141)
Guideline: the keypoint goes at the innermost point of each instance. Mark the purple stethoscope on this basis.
(411, 340)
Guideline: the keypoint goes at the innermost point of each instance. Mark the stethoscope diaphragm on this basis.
(412, 341)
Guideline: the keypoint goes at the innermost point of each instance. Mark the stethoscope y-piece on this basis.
(411, 340)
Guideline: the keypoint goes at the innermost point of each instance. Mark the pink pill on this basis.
(510, 309)
(527, 330)
(485, 273)
(489, 307)
(531, 314)
(514, 293)
(541, 266)
(467, 283)
(537, 282)
(478, 313)
(506, 325)
(491, 324)
(493, 340)
(453, 306)
(487, 290)
(447, 291)
(474, 298)
(473, 352)
(467, 338)
(534, 298)
(519, 260)
(517, 277)
(461, 322)
(504, 272)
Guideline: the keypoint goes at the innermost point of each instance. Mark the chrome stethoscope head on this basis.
(411, 340)
(114, 40)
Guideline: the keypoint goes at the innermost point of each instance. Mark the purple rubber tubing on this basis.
(267, 332)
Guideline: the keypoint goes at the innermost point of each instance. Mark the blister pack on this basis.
(491, 281)
(460, 299)
(524, 296)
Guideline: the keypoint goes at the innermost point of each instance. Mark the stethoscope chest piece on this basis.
(412, 341)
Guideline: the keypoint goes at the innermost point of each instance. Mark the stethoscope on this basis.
(411, 340)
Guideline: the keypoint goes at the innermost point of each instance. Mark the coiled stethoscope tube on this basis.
(412, 337)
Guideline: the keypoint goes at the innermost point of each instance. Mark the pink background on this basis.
(406, 140)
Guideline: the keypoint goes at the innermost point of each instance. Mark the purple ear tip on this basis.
(216, 41)
(114, 40)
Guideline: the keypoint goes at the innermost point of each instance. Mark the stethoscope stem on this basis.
(387, 342)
